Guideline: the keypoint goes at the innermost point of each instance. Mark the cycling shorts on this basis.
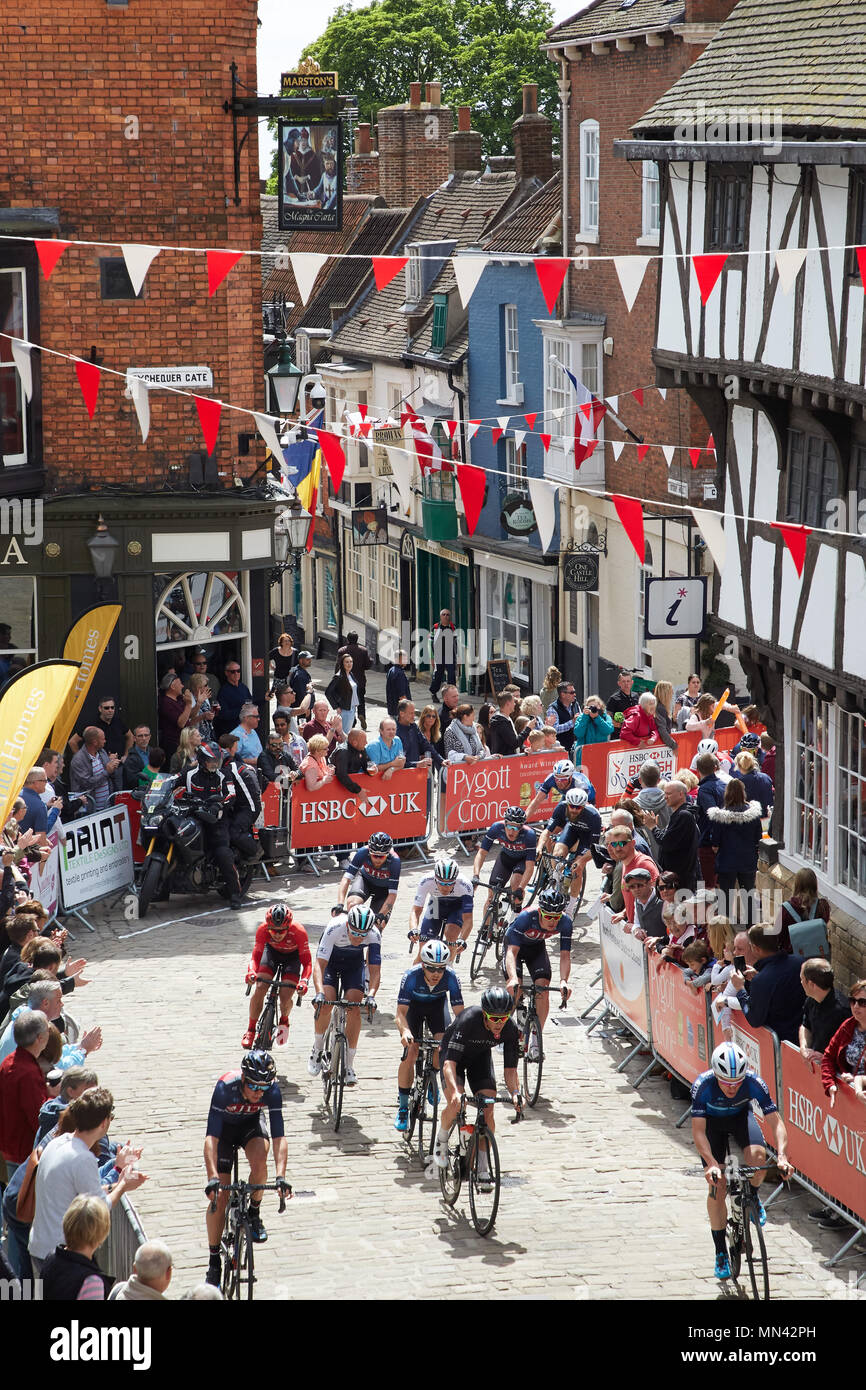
(575, 837)
(432, 926)
(360, 888)
(431, 1010)
(272, 960)
(536, 959)
(479, 1073)
(237, 1136)
(742, 1126)
(504, 868)
(351, 975)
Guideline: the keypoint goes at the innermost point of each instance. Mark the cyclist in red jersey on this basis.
(280, 940)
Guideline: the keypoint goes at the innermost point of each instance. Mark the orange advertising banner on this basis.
(610, 766)
(679, 1020)
(624, 963)
(827, 1146)
(335, 816)
(478, 795)
(761, 1046)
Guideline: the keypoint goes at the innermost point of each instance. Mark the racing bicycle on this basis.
(745, 1233)
(557, 873)
(473, 1154)
(236, 1242)
(493, 928)
(424, 1097)
(527, 1020)
(266, 1028)
(334, 1051)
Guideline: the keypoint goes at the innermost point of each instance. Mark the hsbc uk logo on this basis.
(833, 1135)
(396, 804)
(836, 1137)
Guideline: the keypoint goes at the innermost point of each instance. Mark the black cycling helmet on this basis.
(258, 1069)
(515, 815)
(551, 900)
(380, 842)
(277, 916)
(497, 1000)
(750, 741)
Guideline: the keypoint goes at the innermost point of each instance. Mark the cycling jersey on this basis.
(441, 904)
(336, 948)
(526, 930)
(295, 942)
(414, 988)
(378, 878)
(709, 1101)
(578, 779)
(581, 833)
(468, 1040)
(515, 851)
(230, 1111)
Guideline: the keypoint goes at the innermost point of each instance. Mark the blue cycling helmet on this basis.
(380, 842)
(258, 1069)
(515, 815)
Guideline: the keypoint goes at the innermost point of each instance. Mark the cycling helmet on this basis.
(497, 1000)
(445, 871)
(707, 745)
(515, 815)
(750, 741)
(380, 842)
(550, 900)
(729, 1062)
(576, 797)
(361, 920)
(434, 953)
(564, 768)
(258, 1069)
(277, 917)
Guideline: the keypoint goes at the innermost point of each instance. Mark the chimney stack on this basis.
(414, 94)
(362, 168)
(413, 146)
(434, 93)
(533, 143)
(464, 146)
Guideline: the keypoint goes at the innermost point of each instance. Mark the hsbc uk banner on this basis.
(827, 1146)
(335, 816)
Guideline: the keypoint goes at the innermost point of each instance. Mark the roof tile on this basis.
(617, 19)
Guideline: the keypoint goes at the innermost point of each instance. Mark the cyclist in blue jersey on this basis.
(373, 872)
(516, 846)
(525, 944)
(580, 832)
(445, 898)
(563, 776)
(423, 996)
(236, 1120)
(340, 961)
(721, 1110)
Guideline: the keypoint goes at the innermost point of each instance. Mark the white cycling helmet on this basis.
(707, 745)
(434, 953)
(576, 797)
(729, 1062)
(564, 768)
(361, 920)
(445, 871)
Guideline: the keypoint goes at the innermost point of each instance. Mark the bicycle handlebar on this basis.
(252, 1187)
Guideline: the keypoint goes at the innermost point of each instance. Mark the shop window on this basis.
(508, 621)
(813, 477)
(851, 804)
(810, 737)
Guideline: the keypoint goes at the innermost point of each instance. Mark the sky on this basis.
(287, 26)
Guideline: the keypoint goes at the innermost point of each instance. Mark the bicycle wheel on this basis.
(499, 941)
(451, 1176)
(228, 1250)
(756, 1254)
(244, 1275)
(735, 1246)
(264, 1039)
(479, 951)
(338, 1076)
(539, 879)
(327, 1074)
(427, 1113)
(483, 1187)
(532, 1068)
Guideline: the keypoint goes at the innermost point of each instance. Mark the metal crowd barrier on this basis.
(126, 1234)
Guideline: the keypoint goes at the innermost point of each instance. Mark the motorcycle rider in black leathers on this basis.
(212, 795)
(247, 801)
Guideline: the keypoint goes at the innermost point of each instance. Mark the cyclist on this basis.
(525, 944)
(465, 1054)
(580, 832)
(280, 941)
(373, 872)
(446, 901)
(236, 1121)
(516, 845)
(423, 993)
(563, 776)
(710, 745)
(722, 1109)
(340, 961)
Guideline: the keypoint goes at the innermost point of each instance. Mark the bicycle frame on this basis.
(236, 1243)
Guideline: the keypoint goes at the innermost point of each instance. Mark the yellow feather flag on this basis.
(85, 644)
(28, 708)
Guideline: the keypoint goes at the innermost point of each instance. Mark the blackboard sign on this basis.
(498, 675)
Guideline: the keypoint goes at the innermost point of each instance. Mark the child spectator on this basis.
(155, 762)
(720, 935)
(698, 962)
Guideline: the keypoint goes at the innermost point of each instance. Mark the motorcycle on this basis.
(177, 859)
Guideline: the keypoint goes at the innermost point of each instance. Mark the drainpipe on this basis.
(564, 87)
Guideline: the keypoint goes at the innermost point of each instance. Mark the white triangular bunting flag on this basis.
(559, 412)
(668, 451)
(663, 392)
(472, 429)
(630, 270)
(519, 436)
(267, 428)
(617, 445)
(138, 262)
(21, 354)
(141, 400)
(401, 467)
(305, 267)
(788, 263)
(467, 272)
(543, 498)
(712, 528)
(503, 421)
(613, 402)
(429, 422)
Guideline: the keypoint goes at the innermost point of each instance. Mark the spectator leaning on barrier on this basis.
(593, 726)
(46, 997)
(397, 683)
(23, 1090)
(775, 997)
(563, 714)
(349, 760)
(462, 743)
(315, 767)
(502, 738)
(386, 752)
(275, 763)
(619, 841)
(431, 728)
(621, 700)
(647, 904)
(20, 930)
(291, 743)
(73, 1083)
(151, 1275)
(71, 1274)
(639, 722)
(845, 1054)
(825, 1010)
(623, 815)
(136, 758)
(40, 817)
(418, 750)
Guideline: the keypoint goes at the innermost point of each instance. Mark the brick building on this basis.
(613, 60)
(132, 146)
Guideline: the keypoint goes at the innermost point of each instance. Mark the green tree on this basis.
(482, 51)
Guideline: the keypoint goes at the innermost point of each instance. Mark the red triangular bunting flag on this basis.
(332, 451)
(386, 267)
(49, 253)
(531, 419)
(545, 440)
(642, 451)
(583, 451)
(694, 455)
(495, 435)
(451, 427)
(209, 412)
(708, 269)
(795, 538)
(88, 379)
(599, 410)
(362, 410)
(711, 445)
(219, 263)
(365, 427)
(630, 513)
(471, 481)
(551, 271)
(638, 395)
(585, 409)
(861, 262)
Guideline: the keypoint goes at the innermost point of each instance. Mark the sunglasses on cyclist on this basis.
(497, 1018)
(550, 916)
(252, 1087)
(433, 969)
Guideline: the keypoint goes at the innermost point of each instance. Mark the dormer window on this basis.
(413, 276)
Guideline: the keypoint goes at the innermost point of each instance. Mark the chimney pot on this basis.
(464, 118)
(414, 93)
(530, 98)
(364, 143)
(434, 93)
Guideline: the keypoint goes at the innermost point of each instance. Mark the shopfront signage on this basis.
(517, 516)
(173, 376)
(580, 573)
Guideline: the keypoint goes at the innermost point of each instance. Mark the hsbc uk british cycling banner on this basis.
(334, 816)
(477, 795)
(611, 766)
(827, 1146)
(625, 973)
